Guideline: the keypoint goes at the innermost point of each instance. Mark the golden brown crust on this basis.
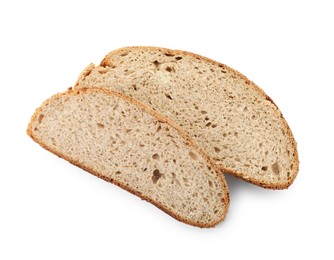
(159, 118)
(106, 62)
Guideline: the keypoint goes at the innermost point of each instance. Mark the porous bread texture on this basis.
(126, 143)
(235, 122)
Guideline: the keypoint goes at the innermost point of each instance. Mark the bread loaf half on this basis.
(124, 142)
(235, 122)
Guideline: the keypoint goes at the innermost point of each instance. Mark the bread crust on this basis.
(160, 118)
(295, 169)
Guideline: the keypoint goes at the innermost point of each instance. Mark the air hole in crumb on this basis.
(100, 125)
(217, 150)
(253, 117)
(193, 209)
(275, 168)
(157, 64)
(134, 87)
(124, 54)
(193, 155)
(118, 172)
(236, 134)
(174, 161)
(156, 156)
(245, 109)
(169, 54)
(206, 118)
(264, 168)
(208, 124)
(40, 118)
(210, 184)
(168, 96)
(260, 144)
(156, 176)
(178, 58)
(214, 125)
(185, 180)
(203, 112)
(159, 128)
(170, 69)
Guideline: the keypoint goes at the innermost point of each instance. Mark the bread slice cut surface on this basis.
(122, 141)
(230, 117)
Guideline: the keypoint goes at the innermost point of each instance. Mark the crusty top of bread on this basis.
(122, 141)
(225, 113)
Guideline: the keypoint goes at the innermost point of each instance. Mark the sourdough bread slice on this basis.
(124, 142)
(235, 122)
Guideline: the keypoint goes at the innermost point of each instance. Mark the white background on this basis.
(49, 209)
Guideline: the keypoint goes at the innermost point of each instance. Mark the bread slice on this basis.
(124, 142)
(235, 122)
